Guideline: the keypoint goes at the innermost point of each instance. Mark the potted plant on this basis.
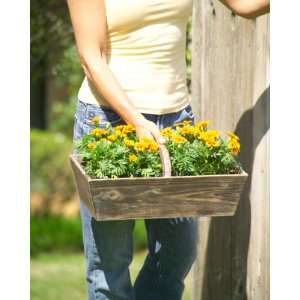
(196, 172)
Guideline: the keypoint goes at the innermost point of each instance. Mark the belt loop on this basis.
(160, 121)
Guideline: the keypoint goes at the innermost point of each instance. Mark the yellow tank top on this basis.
(146, 53)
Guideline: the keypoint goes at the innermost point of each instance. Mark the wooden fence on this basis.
(230, 85)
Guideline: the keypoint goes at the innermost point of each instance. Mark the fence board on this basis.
(230, 86)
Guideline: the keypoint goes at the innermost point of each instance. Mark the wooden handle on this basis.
(165, 160)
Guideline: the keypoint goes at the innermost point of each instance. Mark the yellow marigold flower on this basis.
(204, 135)
(129, 143)
(186, 130)
(139, 146)
(146, 143)
(98, 132)
(91, 145)
(146, 139)
(149, 144)
(128, 128)
(123, 130)
(178, 139)
(197, 131)
(212, 143)
(95, 120)
(234, 146)
(132, 157)
(210, 138)
(167, 132)
(202, 125)
(104, 140)
(153, 147)
(112, 137)
(119, 127)
(183, 123)
(233, 136)
(119, 133)
(213, 133)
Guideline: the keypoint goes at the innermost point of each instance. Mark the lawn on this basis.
(61, 276)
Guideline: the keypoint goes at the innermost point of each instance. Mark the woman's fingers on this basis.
(149, 129)
(143, 133)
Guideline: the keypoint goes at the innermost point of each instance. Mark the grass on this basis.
(62, 276)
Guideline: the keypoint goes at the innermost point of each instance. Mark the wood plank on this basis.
(164, 197)
(207, 179)
(230, 87)
(221, 86)
(258, 283)
(82, 184)
(164, 201)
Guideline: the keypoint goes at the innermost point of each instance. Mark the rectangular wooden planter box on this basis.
(158, 197)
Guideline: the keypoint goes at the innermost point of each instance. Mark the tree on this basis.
(51, 33)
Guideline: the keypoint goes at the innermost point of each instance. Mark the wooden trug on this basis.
(163, 197)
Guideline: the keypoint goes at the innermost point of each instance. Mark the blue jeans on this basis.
(108, 245)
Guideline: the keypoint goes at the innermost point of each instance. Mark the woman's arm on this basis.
(88, 19)
(248, 8)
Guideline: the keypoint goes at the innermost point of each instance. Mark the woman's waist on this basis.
(144, 86)
(156, 101)
(148, 77)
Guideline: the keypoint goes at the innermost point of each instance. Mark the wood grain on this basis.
(82, 183)
(164, 197)
(258, 261)
(230, 60)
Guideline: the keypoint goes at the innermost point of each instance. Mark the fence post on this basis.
(230, 86)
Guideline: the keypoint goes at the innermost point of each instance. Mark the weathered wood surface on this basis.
(82, 183)
(230, 86)
(165, 197)
(258, 264)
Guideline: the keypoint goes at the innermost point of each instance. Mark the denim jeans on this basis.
(108, 245)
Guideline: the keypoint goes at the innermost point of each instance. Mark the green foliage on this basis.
(195, 158)
(103, 158)
(50, 233)
(68, 67)
(55, 70)
(49, 163)
(66, 78)
(59, 234)
(194, 150)
(62, 117)
(50, 31)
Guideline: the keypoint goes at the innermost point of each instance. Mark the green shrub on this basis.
(59, 234)
(62, 116)
(49, 164)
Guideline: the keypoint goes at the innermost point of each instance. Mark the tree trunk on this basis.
(38, 94)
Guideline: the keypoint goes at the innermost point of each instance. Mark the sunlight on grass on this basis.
(62, 276)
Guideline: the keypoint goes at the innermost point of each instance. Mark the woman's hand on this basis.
(248, 8)
(147, 128)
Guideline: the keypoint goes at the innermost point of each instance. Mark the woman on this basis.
(133, 56)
